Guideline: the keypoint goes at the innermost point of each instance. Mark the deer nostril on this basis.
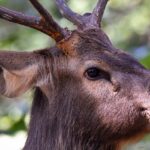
(144, 106)
(142, 109)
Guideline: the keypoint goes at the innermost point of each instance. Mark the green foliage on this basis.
(146, 61)
(16, 126)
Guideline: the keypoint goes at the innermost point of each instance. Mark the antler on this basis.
(97, 14)
(68, 13)
(45, 23)
(85, 21)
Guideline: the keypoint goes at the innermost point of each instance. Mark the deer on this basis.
(88, 95)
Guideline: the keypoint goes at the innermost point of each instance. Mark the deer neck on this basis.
(54, 127)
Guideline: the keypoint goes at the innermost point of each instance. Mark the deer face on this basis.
(111, 80)
(89, 90)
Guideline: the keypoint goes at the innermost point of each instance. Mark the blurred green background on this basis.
(126, 22)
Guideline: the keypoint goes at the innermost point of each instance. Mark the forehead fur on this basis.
(95, 45)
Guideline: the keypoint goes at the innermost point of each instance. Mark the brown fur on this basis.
(71, 110)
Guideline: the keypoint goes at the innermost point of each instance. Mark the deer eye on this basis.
(95, 73)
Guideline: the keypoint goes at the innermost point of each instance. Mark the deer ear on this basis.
(18, 72)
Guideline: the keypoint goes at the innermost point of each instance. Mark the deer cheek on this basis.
(97, 88)
(120, 118)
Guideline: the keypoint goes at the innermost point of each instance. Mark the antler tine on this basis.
(19, 18)
(98, 12)
(92, 20)
(58, 33)
(45, 24)
(68, 13)
(42, 11)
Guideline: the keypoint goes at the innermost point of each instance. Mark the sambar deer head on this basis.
(88, 94)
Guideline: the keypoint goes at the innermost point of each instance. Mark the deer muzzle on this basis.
(145, 110)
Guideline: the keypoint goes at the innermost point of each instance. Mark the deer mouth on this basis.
(145, 109)
(146, 114)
